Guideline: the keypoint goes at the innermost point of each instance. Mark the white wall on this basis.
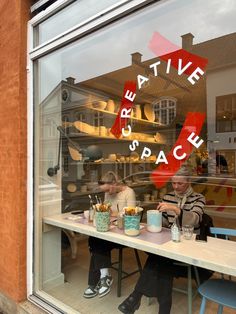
(219, 83)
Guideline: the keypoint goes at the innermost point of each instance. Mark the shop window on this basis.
(226, 113)
(75, 80)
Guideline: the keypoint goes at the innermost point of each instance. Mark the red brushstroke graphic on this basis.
(165, 50)
(193, 123)
(121, 122)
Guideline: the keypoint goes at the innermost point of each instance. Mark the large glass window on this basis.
(78, 91)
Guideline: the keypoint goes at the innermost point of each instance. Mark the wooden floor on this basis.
(76, 271)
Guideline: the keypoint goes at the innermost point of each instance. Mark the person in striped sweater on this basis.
(156, 279)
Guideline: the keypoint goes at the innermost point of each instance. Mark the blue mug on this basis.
(154, 220)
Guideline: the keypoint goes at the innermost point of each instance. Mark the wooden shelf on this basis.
(132, 185)
(78, 193)
(109, 138)
(115, 114)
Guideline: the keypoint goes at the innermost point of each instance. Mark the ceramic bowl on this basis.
(100, 104)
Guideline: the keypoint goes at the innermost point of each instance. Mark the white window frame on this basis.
(104, 17)
(166, 109)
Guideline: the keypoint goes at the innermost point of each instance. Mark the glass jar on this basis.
(175, 232)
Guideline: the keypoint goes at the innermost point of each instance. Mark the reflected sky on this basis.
(109, 49)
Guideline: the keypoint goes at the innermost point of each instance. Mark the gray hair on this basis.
(184, 171)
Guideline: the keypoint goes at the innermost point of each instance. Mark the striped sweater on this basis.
(191, 213)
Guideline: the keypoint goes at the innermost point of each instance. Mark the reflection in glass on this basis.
(79, 90)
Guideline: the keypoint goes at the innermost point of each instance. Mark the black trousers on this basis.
(156, 280)
(100, 257)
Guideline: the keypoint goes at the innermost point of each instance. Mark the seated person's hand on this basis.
(166, 207)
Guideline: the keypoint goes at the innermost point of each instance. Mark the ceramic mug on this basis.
(132, 225)
(154, 220)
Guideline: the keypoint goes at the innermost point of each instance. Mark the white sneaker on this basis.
(105, 286)
(91, 292)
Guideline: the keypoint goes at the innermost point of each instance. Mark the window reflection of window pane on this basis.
(165, 111)
(234, 125)
(224, 126)
(225, 113)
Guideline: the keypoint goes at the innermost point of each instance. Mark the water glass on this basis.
(187, 231)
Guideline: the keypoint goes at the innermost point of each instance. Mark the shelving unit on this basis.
(87, 133)
(86, 136)
(90, 106)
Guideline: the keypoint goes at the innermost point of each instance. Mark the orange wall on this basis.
(14, 15)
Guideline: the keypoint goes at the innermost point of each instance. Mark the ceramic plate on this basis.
(149, 112)
(71, 187)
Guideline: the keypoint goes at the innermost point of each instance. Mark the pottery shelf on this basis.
(140, 120)
(92, 138)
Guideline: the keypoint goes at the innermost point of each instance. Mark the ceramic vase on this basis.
(102, 221)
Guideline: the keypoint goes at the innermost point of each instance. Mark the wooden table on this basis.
(215, 254)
